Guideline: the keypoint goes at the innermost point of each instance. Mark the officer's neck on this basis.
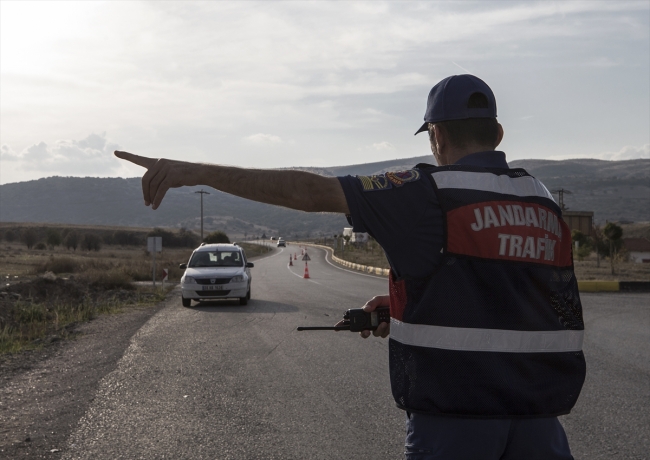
(449, 155)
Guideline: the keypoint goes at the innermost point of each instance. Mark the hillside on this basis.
(614, 190)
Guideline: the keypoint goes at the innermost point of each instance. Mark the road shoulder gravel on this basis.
(44, 393)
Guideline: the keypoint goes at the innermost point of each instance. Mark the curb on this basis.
(345, 263)
(614, 286)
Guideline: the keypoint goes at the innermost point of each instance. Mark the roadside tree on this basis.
(10, 236)
(53, 238)
(614, 235)
(91, 242)
(71, 240)
(29, 237)
(583, 242)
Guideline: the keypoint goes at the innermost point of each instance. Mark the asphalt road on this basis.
(223, 381)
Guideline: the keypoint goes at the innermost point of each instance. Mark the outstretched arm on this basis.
(292, 189)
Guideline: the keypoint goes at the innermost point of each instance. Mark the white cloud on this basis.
(384, 145)
(629, 152)
(263, 139)
(189, 79)
(92, 155)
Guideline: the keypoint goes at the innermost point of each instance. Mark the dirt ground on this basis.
(43, 393)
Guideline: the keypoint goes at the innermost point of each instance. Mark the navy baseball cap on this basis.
(450, 100)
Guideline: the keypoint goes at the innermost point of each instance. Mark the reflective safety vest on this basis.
(496, 331)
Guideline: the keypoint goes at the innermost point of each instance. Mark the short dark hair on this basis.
(481, 131)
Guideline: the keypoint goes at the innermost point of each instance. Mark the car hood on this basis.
(214, 272)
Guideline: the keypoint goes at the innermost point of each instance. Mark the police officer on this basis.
(486, 322)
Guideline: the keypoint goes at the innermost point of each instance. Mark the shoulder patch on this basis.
(400, 178)
(371, 183)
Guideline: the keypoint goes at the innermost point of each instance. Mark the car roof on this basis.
(217, 247)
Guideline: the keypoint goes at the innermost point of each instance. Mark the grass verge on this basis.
(31, 321)
(254, 250)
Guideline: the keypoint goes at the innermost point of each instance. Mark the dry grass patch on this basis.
(36, 312)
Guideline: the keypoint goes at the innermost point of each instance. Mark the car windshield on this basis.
(216, 259)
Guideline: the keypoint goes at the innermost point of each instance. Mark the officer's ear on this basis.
(499, 136)
(439, 137)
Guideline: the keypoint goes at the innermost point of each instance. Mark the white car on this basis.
(282, 243)
(216, 271)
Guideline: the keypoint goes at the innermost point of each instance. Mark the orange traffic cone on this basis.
(290, 261)
(294, 256)
(306, 275)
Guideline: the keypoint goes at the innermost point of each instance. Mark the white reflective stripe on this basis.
(470, 339)
(518, 186)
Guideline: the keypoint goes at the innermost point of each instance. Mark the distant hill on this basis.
(614, 190)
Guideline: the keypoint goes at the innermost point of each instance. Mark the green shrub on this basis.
(31, 313)
(53, 237)
(91, 242)
(71, 240)
(29, 237)
(125, 238)
(40, 246)
(10, 236)
(216, 237)
(59, 265)
(108, 279)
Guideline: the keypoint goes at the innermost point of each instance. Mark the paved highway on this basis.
(223, 381)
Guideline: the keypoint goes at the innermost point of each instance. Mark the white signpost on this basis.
(154, 245)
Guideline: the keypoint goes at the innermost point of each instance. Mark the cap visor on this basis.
(424, 127)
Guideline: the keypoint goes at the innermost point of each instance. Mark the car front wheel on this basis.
(186, 302)
(244, 300)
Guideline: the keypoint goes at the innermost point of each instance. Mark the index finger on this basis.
(145, 162)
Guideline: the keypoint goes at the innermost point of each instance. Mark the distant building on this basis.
(639, 249)
(579, 220)
(355, 237)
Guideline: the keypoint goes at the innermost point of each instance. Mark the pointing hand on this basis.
(161, 175)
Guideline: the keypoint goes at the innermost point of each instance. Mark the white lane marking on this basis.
(350, 271)
(308, 279)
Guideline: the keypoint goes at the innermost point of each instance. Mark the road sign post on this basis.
(154, 245)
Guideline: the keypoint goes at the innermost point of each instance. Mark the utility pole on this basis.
(202, 192)
(561, 192)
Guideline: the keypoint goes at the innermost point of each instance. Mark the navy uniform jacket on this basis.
(486, 319)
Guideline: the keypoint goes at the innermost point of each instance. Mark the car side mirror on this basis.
(250, 264)
(182, 266)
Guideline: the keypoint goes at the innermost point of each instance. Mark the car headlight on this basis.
(188, 280)
(237, 279)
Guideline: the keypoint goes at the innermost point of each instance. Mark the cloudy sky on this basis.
(275, 84)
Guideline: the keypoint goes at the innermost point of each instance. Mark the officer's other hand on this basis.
(161, 175)
(384, 328)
